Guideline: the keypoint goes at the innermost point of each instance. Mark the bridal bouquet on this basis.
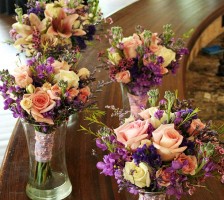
(50, 27)
(140, 61)
(167, 149)
(45, 90)
(43, 94)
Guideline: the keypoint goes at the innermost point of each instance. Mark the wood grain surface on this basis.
(88, 183)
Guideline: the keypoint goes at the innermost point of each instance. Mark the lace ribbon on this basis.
(137, 103)
(43, 146)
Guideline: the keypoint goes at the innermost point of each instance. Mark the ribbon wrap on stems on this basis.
(137, 103)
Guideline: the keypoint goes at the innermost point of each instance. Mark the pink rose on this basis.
(167, 141)
(131, 134)
(189, 163)
(196, 127)
(22, 79)
(130, 45)
(123, 77)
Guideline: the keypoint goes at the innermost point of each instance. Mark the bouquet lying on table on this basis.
(140, 61)
(167, 149)
(52, 26)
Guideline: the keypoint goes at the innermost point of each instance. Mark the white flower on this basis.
(167, 54)
(114, 56)
(70, 77)
(150, 114)
(137, 175)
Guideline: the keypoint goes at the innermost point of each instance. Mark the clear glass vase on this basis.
(135, 104)
(48, 176)
(143, 195)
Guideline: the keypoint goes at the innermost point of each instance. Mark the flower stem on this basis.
(42, 172)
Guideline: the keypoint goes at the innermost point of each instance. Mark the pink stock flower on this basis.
(167, 141)
(123, 77)
(131, 134)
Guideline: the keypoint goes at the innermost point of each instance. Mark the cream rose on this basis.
(30, 88)
(145, 142)
(167, 141)
(84, 73)
(130, 45)
(167, 54)
(123, 77)
(46, 86)
(137, 175)
(26, 104)
(150, 114)
(70, 77)
(131, 134)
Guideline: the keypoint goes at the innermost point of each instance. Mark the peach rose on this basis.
(22, 79)
(39, 117)
(133, 133)
(84, 94)
(130, 45)
(189, 163)
(163, 177)
(23, 68)
(60, 66)
(196, 127)
(72, 93)
(41, 103)
(167, 141)
(54, 92)
(123, 77)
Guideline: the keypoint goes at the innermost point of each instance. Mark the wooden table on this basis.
(87, 182)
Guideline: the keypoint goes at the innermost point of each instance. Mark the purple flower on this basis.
(101, 145)
(159, 114)
(107, 166)
(148, 155)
